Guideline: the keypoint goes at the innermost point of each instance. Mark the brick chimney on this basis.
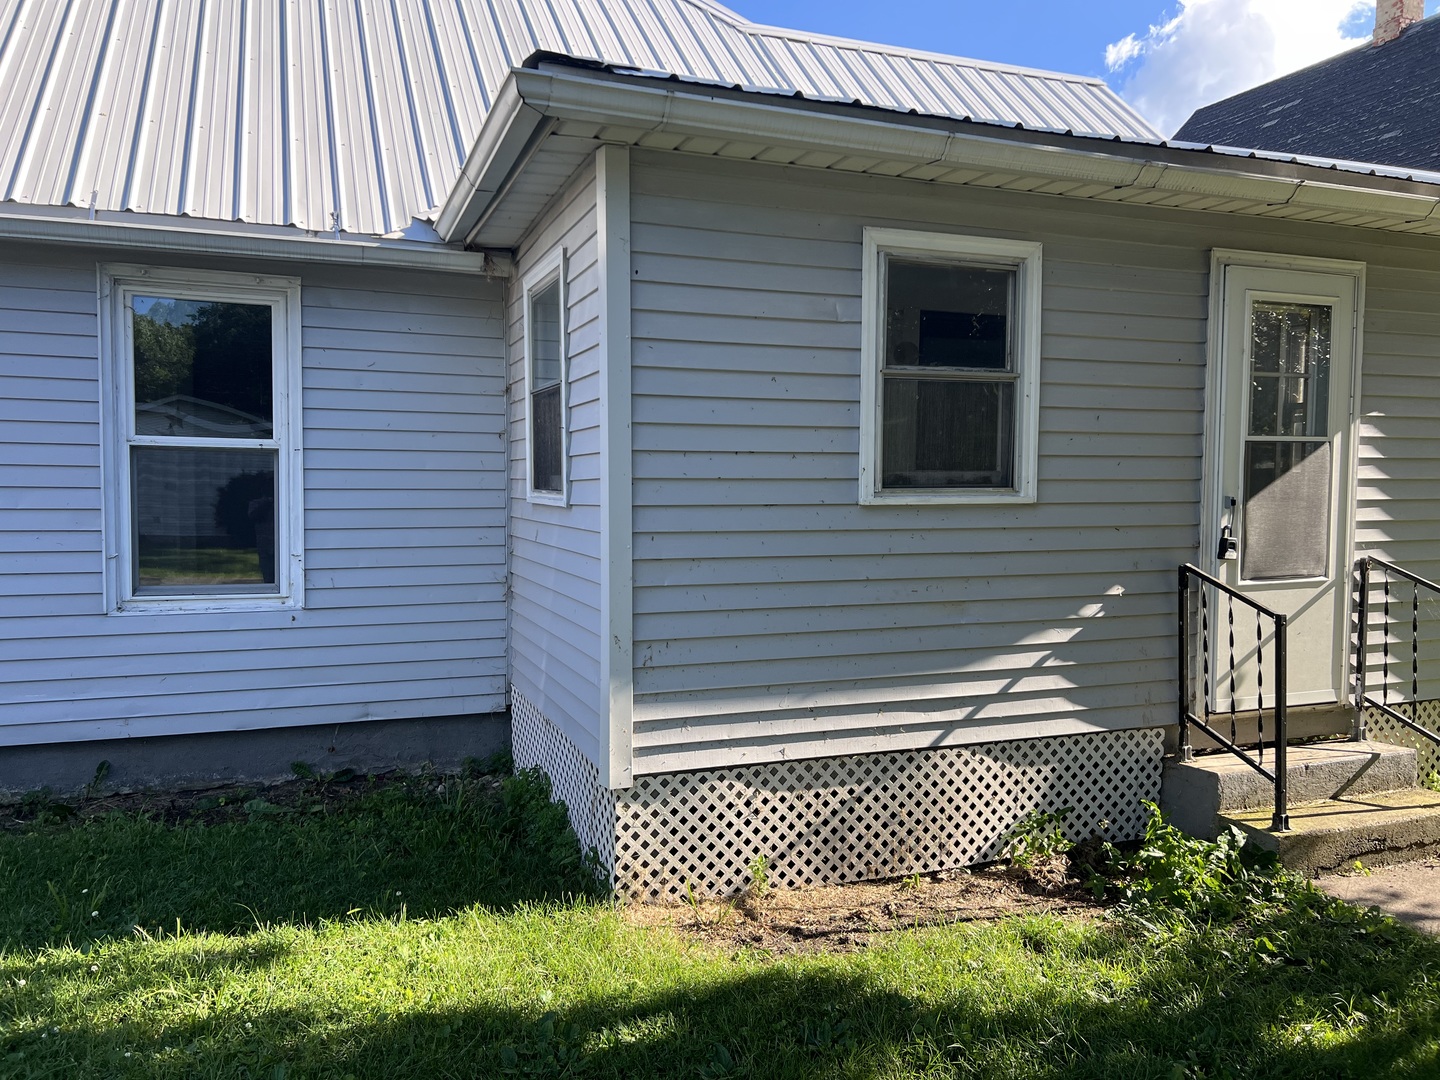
(1393, 16)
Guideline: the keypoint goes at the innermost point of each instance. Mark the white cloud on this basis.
(1211, 49)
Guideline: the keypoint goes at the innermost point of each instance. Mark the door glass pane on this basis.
(944, 315)
(948, 433)
(1289, 369)
(1287, 510)
(202, 368)
(204, 520)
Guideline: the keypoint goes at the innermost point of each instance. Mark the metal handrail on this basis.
(1363, 566)
(1186, 691)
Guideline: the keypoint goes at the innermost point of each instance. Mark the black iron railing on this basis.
(1391, 576)
(1206, 611)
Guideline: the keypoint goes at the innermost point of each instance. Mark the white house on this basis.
(798, 436)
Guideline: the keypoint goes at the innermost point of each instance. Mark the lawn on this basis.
(445, 928)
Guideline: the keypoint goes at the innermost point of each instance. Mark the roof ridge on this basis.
(744, 25)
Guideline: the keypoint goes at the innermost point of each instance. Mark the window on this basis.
(204, 467)
(951, 361)
(546, 378)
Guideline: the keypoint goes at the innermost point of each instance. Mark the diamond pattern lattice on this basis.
(839, 819)
(574, 779)
(1427, 754)
(874, 815)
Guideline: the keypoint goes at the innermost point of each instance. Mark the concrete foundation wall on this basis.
(187, 762)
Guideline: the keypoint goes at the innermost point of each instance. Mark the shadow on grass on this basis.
(1193, 1013)
(418, 846)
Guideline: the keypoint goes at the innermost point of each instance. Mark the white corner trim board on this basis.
(617, 570)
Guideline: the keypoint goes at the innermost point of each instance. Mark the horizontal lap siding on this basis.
(775, 617)
(403, 406)
(1398, 483)
(555, 550)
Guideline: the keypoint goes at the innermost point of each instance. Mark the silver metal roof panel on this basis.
(357, 114)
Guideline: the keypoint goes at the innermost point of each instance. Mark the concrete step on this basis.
(1387, 827)
(1194, 793)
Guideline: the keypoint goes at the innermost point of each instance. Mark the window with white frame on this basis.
(952, 357)
(204, 492)
(547, 377)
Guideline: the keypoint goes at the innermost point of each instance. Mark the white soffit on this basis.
(356, 115)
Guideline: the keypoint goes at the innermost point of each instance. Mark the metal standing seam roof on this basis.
(356, 115)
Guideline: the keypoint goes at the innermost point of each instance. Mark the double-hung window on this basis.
(203, 463)
(547, 377)
(951, 368)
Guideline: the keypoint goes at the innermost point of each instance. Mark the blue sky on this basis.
(1167, 57)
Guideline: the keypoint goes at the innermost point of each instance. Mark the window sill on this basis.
(547, 498)
(947, 498)
(156, 605)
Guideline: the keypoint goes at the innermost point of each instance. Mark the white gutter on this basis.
(509, 128)
(141, 236)
(631, 110)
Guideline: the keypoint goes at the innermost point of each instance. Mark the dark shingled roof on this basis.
(1377, 103)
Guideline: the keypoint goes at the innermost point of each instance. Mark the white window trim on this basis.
(550, 269)
(118, 283)
(1025, 257)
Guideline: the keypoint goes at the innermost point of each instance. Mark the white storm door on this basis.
(1282, 466)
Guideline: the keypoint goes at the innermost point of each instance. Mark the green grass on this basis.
(409, 932)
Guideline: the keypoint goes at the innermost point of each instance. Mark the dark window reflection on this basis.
(202, 368)
(204, 520)
(939, 315)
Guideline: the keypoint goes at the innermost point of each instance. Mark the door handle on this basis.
(1229, 546)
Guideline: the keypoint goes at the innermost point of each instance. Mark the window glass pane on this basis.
(1287, 510)
(548, 446)
(948, 433)
(545, 336)
(204, 520)
(202, 368)
(942, 315)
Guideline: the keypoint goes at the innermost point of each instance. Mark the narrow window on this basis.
(952, 334)
(205, 492)
(546, 377)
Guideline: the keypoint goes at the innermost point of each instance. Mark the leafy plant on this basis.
(102, 770)
(759, 876)
(1175, 875)
(1037, 838)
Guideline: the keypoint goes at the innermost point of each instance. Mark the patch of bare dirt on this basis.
(212, 805)
(844, 918)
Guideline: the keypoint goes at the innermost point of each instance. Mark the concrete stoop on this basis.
(1348, 801)
(1387, 827)
(1195, 793)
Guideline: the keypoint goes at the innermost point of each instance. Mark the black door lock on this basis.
(1229, 546)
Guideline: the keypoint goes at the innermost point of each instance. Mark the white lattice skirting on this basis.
(839, 819)
(1427, 754)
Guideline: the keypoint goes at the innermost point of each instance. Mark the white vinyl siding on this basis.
(1398, 475)
(775, 618)
(555, 549)
(403, 417)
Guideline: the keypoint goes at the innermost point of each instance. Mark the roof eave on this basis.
(629, 108)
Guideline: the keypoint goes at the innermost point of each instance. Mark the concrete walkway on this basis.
(1409, 891)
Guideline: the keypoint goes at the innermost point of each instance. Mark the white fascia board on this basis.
(509, 127)
(202, 240)
(691, 111)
